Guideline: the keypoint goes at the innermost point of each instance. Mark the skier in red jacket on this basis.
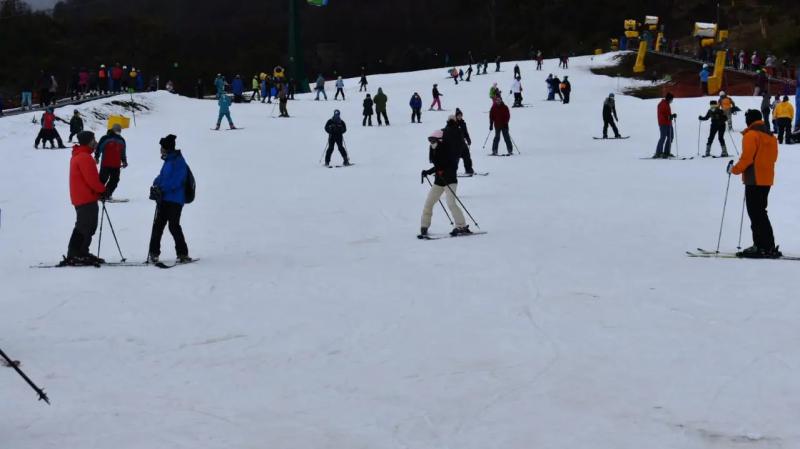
(499, 116)
(665, 117)
(85, 189)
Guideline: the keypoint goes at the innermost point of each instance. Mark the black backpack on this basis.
(189, 186)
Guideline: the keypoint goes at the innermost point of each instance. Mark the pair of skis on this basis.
(123, 263)
(447, 236)
(700, 252)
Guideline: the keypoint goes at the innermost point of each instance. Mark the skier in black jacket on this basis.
(445, 150)
(610, 116)
(718, 122)
(462, 125)
(368, 103)
(335, 127)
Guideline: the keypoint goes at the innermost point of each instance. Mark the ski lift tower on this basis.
(297, 69)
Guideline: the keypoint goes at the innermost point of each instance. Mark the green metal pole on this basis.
(297, 69)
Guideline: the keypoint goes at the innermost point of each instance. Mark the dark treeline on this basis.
(182, 40)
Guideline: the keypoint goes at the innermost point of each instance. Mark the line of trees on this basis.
(205, 37)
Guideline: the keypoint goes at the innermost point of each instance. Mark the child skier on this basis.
(111, 154)
(75, 125)
(224, 111)
(368, 103)
(436, 101)
(718, 120)
(339, 89)
(610, 116)
(416, 107)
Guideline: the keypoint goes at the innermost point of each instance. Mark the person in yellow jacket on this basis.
(757, 167)
(256, 86)
(728, 107)
(784, 113)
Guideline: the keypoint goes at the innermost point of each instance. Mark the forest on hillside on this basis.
(186, 39)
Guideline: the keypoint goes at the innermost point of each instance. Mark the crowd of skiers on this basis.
(84, 83)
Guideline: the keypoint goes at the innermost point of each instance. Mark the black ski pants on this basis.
(719, 131)
(168, 213)
(338, 141)
(382, 112)
(282, 107)
(756, 200)
(110, 177)
(367, 119)
(467, 160)
(784, 129)
(506, 137)
(85, 227)
(609, 121)
(416, 112)
(339, 90)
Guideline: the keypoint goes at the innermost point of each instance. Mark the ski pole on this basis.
(100, 238)
(39, 391)
(699, 130)
(733, 141)
(724, 206)
(487, 139)
(462, 205)
(155, 217)
(741, 223)
(133, 109)
(440, 203)
(113, 233)
(324, 150)
(515, 145)
(675, 137)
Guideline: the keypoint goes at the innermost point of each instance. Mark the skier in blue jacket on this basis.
(416, 107)
(224, 111)
(704, 74)
(238, 89)
(219, 83)
(169, 192)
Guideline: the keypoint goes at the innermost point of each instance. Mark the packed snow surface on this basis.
(315, 319)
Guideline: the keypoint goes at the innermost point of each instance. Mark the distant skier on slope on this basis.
(368, 103)
(416, 107)
(283, 99)
(446, 147)
(380, 106)
(169, 192)
(566, 90)
(517, 73)
(436, 101)
(339, 89)
(111, 154)
(224, 103)
(85, 189)
(465, 155)
(75, 125)
(665, 117)
(757, 167)
(610, 116)
(336, 127)
(718, 121)
(320, 87)
(362, 83)
(48, 131)
(516, 89)
(499, 116)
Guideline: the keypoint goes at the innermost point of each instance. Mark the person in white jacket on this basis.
(516, 89)
(339, 88)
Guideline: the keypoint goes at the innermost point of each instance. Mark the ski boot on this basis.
(463, 230)
(184, 258)
(708, 151)
(724, 152)
(347, 163)
(152, 258)
(423, 233)
(752, 252)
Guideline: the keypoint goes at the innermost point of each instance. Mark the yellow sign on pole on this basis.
(120, 120)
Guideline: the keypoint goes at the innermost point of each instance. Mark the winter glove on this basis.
(491, 127)
(104, 196)
(422, 176)
(729, 167)
(124, 165)
(673, 116)
(699, 117)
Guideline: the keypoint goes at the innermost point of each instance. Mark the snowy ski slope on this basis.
(316, 319)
